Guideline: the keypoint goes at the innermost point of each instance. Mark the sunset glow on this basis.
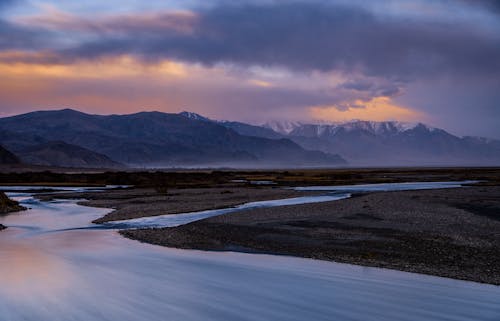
(377, 109)
(249, 159)
(253, 61)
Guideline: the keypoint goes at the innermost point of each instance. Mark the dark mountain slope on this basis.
(160, 139)
(251, 130)
(65, 155)
(6, 157)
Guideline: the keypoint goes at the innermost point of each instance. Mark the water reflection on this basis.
(28, 269)
(98, 275)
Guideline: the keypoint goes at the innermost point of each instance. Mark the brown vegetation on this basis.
(211, 178)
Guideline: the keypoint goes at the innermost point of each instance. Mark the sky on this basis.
(436, 62)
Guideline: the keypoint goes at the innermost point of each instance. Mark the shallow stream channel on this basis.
(56, 265)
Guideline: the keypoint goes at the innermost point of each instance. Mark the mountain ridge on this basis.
(155, 139)
(392, 143)
(288, 128)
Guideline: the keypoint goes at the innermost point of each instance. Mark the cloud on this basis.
(244, 60)
(464, 106)
(302, 36)
(13, 36)
(492, 5)
(130, 25)
(376, 109)
(376, 87)
(127, 84)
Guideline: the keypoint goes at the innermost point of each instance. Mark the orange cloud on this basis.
(261, 83)
(119, 84)
(377, 109)
(124, 84)
(106, 68)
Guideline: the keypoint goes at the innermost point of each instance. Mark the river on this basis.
(56, 265)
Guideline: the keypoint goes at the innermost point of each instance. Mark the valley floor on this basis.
(451, 232)
(145, 202)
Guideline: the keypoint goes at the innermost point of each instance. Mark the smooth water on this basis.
(54, 266)
(384, 187)
(180, 219)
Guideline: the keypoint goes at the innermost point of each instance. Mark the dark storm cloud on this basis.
(372, 87)
(493, 5)
(13, 37)
(360, 85)
(312, 36)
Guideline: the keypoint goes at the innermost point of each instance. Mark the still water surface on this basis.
(55, 265)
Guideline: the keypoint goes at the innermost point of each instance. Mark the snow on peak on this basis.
(282, 127)
(194, 116)
(322, 128)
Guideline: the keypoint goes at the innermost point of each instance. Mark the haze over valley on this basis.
(69, 138)
(250, 160)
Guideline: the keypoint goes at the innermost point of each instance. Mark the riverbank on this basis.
(143, 202)
(180, 191)
(450, 232)
(55, 266)
(8, 206)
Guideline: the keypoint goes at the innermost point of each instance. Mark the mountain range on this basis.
(147, 139)
(152, 139)
(394, 143)
(389, 143)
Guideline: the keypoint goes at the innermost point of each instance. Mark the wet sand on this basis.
(450, 232)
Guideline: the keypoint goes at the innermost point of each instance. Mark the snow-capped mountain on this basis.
(390, 143)
(194, 116)
(371, 143)
(327, 129)
(282, 127)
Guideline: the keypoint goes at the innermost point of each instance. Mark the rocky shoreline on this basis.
(450, 232)
(8, 206)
